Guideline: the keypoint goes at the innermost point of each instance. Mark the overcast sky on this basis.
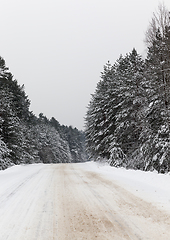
(57, 48)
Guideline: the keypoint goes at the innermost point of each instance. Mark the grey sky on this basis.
(57, 48)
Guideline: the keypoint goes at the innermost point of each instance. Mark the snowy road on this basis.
(76, 201)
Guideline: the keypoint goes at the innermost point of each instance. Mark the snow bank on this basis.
(150, 186)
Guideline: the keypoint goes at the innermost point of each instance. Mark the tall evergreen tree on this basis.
(100, 117)
(158, 71)
(112, 120)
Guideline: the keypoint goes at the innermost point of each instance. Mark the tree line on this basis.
(128, 117)
(25, 138)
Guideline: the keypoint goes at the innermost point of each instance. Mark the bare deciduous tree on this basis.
(159, 20)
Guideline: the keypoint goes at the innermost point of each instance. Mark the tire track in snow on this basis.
(96, 208)
(12, 190)
(86, 214)
(29, 209)
(64, 201)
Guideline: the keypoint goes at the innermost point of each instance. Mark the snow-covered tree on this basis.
(131, 92)
(158, 75)
(52, 148)
(113, 113)
(100, 117)
(5, 160)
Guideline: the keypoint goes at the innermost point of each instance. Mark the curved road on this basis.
(67, 202)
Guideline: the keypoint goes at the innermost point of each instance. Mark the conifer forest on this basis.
(127, 121)
(25, 138)
(128, 117)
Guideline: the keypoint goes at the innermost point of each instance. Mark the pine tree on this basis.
(112, 120)
(158, 85)
(5, 160)
(10, 126)
(100, 118)
(130, 72)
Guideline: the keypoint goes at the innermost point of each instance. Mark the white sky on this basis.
(57, 48)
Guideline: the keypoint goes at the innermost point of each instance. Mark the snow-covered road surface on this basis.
(83, 201)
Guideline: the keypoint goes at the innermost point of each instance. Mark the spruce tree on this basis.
(158, 71)
(112, 120)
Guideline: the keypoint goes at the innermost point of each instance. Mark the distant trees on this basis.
(128, 117)
(24, 138)
(75, 140)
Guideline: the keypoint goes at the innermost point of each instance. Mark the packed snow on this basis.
(150, 186)
(16, 175)
(81, 201)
